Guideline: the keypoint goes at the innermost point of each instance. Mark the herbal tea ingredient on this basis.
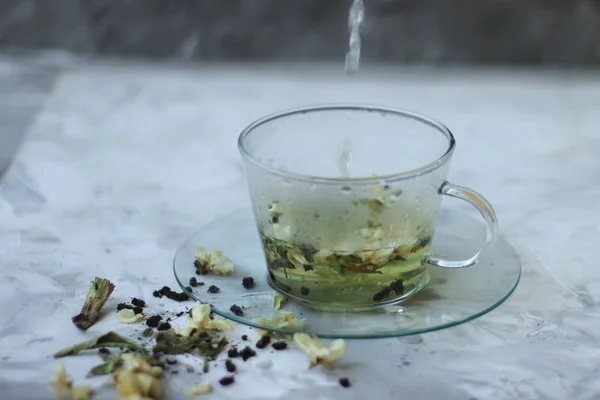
(318, 352)
(99, 292)
(64, 388)
(197, 390)
(282, 320)
(213, 261)
(278, 300)
(129, 316)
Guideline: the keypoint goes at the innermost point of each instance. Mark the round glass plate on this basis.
(452, 297)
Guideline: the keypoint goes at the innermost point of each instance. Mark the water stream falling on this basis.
(356, 17)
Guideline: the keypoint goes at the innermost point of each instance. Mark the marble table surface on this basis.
(126, 160)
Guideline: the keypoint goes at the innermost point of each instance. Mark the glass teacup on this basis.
(340, 227)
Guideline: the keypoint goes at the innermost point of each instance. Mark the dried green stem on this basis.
(99, 292)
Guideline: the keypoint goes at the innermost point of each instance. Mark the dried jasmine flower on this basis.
(200, 389)
(345, 382)
(98, 294)
(213, 289)
(64, 389)
(227, 380)
(247, 353)
(237, 310)
(153, 321)
(263, 341)
(230, 366)
(282, 320)
(137, 302)
(129, 316)
(279, 345)
(248, 282)
(318, 352)
(213, 261)
(278, 300)
(110, 339)
(199, 319)
(296, 257)
(138, 378)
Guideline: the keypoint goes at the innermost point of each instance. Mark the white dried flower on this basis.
(129, 316)
(137, 379)
(318, 352)
(64, 389)
(297, 258)
(199, 319)
(214, 261)
(281, 232)
(197, 390)
(275, 208)
(282, 320)
(278, 300)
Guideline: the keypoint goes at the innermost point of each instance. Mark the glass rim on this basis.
(404, 175)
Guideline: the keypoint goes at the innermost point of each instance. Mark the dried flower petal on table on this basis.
(129, 316)
(213, 261)
(282, 320)
(138, 379)
(199, 319)
(197, 390)
(318, 352)
(278, 300)
(64, 389)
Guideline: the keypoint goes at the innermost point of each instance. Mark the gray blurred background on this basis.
(39, 37)
(523, 32)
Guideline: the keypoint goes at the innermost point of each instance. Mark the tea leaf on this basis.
(202, 343)
(108, 367)
(110, 339)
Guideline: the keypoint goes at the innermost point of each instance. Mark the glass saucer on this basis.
(452, 297)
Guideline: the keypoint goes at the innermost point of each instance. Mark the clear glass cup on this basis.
(345, 199)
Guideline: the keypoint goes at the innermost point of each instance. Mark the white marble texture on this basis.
(127, 160)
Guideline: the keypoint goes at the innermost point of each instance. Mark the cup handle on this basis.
(486, 210)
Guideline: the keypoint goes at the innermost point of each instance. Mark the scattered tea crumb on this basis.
(174, 372)
(138, 310)
(171, 294)
(247, 353)
(304, 291)
(226, 380)
(188, 288)
(230, 366)
(382, 294)
(263, 341)
(193, 331)
(163, 326)
(248, 282)
(179, 314)
(103, 350)
(397, 286)
(279, 345)
(171, 361)
(137, 302)
(244, 337)
(122, 306)
(233, 353)
(345, 382)
(213, 289)
(237, 310)
(193, 282)
(156, 293)
(153, 321)
(189, 369)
